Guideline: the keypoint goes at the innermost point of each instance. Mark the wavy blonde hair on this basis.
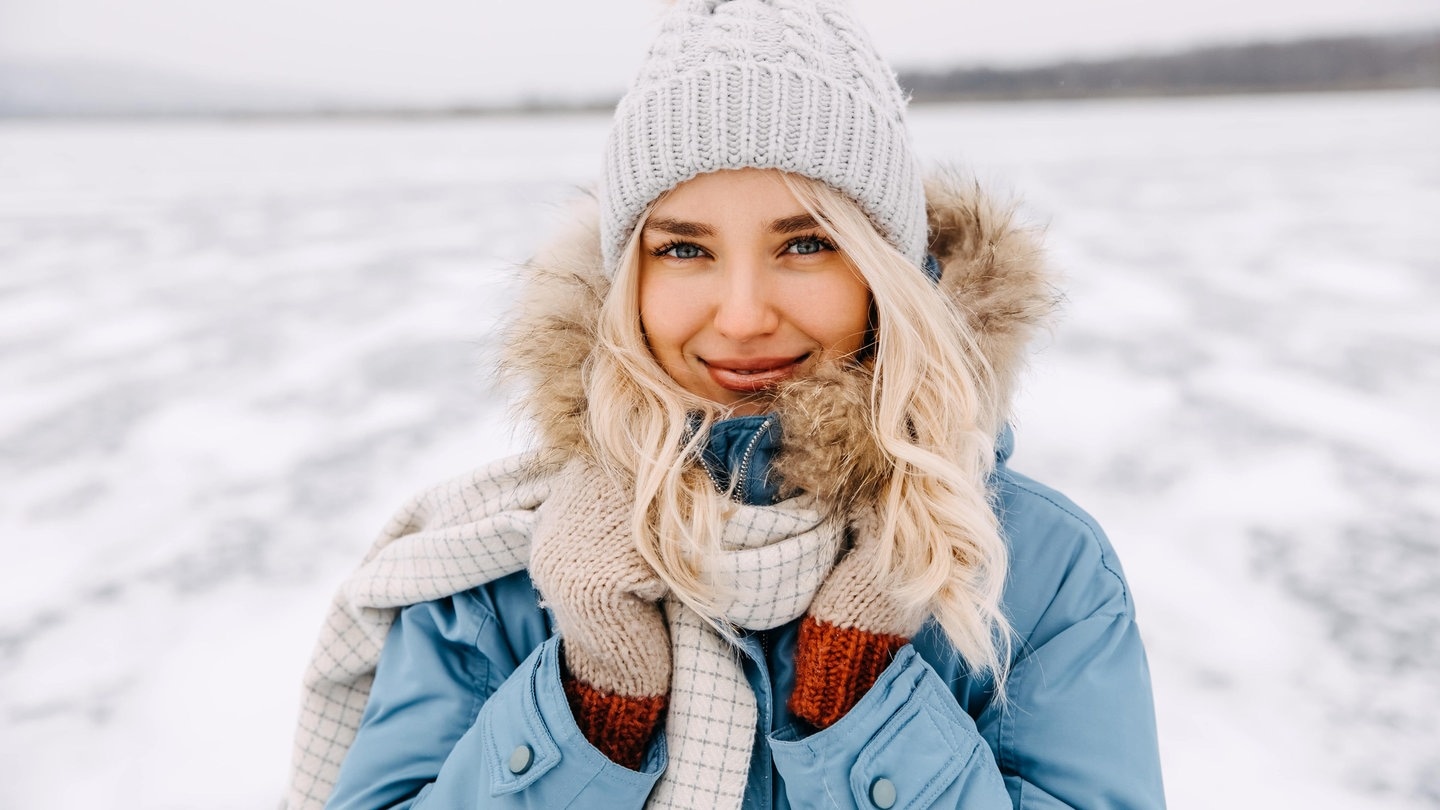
(933, 417)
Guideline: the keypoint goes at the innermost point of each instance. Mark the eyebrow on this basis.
(799, 222)
(680, 227)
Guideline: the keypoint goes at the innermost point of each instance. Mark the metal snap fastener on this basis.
(882, 793)
(521, 758)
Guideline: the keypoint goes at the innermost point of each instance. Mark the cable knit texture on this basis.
(605, 600)
(853, 629)
(604, 596)
(794, 85)
(835, 667)
(618, 725)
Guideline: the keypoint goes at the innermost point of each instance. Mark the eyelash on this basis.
(671, 245)
(825, 244)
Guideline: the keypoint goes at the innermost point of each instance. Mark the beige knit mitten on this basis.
(852, 631)
(604, 595)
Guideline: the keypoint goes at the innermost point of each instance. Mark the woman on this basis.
(768, 552)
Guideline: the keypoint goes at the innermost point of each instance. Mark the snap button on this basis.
(521, 758)
(882, 793)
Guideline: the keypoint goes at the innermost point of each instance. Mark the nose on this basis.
(745, 309)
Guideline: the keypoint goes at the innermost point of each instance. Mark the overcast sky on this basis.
(458, 50)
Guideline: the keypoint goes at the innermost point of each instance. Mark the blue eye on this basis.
(807, 245)
(680, 250)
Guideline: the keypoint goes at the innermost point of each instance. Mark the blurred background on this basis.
(252, 258)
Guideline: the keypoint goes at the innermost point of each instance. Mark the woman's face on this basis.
(740, 289)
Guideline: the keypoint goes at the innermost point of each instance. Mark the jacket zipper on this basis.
(743, 474)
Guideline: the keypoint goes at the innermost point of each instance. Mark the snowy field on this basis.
(227, 351)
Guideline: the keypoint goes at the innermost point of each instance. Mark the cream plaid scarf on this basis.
(476, 529)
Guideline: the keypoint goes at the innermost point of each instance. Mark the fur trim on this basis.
(548, 343)
(995, 271)
(992, 267)
(839, 462)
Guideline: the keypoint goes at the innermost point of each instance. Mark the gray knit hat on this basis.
(793, 85)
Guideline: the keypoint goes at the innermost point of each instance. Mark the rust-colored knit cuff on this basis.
(619, 725)
(835, 667)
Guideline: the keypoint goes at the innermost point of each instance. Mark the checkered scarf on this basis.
(476, 529)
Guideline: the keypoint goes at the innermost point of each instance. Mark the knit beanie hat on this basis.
(793, 85)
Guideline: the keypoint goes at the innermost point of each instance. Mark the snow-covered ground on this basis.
(227, 351)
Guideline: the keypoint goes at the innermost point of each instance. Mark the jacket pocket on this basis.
(916, 755)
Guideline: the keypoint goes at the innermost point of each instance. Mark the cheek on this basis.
(838, 313)
(859, 308)
(664, 320)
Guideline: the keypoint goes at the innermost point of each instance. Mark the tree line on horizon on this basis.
(1382, 62)
(1345, 63)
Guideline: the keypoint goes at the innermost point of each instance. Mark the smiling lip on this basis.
(752, 374)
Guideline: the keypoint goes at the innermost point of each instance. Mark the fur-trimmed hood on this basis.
(991, 267)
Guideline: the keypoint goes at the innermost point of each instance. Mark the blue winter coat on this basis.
(467, 709)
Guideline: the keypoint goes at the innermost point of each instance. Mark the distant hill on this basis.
(1412, 60)
(1387, 62)
(65, 88)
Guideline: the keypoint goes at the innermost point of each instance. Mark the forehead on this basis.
(730, 198)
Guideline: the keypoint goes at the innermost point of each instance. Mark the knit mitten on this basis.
(853, 629)
(615, 645)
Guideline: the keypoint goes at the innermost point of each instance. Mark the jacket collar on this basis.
(742, 449)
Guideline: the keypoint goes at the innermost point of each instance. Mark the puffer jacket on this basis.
(467, 708)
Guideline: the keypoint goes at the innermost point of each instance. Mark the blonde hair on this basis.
(933, 417)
